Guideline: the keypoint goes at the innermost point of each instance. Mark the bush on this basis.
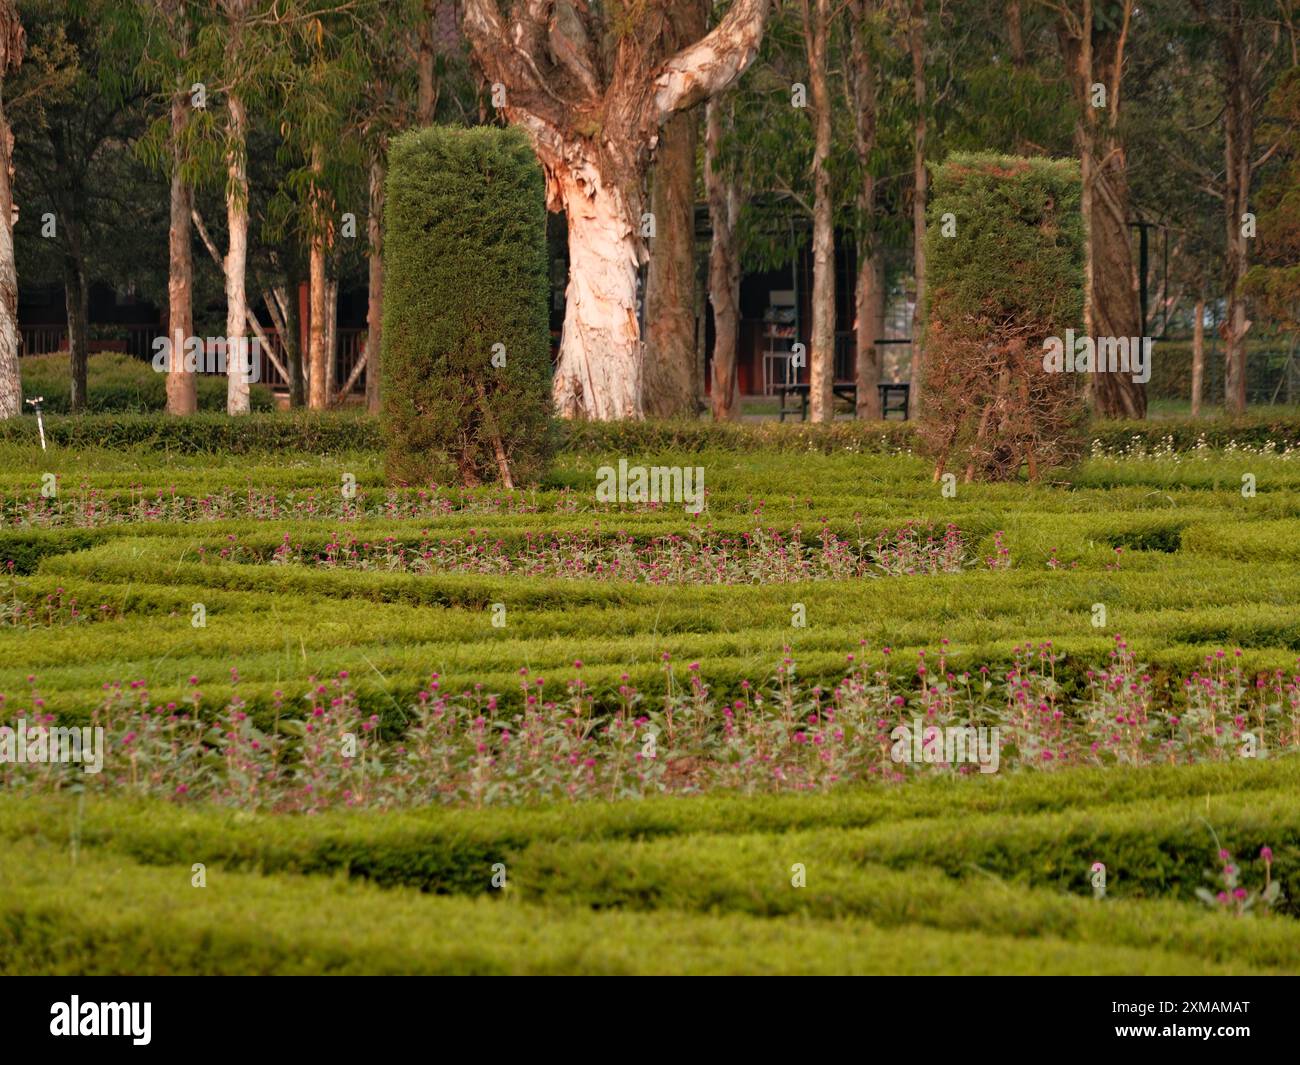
(466, 282)
(1007, 279)
(117, 382)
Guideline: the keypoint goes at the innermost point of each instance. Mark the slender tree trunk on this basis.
(286, 300)
(318, 354)
(1112, 308)
(375, 295)
(1198, 356)
(920, 192)
(11, 388)
(816, 14)
(1238, 128)
(182, 395)
(77, 299)
(869, 297)
(236, 264)
(331, 334)
(724, 265)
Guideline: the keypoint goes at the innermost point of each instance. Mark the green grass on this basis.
(974, 875)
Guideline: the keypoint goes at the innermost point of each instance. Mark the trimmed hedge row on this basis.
(333, 432)
(102, 918)
(452, 850)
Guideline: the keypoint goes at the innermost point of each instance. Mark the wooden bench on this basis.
(894, 398)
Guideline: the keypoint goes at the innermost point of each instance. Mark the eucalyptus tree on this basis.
(586, 83)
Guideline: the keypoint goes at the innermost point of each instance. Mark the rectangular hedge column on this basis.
(1005, 247)
(466, 341)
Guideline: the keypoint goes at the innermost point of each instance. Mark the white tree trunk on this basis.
(236, 264)
(600, 366)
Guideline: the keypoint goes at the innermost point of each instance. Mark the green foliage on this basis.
(120, 383)
(466, 277)
(1005, 252)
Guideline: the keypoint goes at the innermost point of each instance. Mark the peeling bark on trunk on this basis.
(11, 388)
(599, 370)
(375, 293)
(182, 394)
(821, 356)
(869, 296)
(724, 266)
(920, 191)
(236, 264)
(593, 118)
(1198, 356)
(1238, 145)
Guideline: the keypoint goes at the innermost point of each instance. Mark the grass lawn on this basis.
(769, 643)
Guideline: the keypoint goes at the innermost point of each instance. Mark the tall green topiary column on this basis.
(1005, 248)
(466, 344)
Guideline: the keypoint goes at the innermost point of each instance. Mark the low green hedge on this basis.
(452, 850)
(331, 432)
(104, 918)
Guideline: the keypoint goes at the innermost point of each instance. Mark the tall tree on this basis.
(869, 296)
(585, 84)
(1093, 40)
(821, 356)
(724, 259)
(173, 44)
(920, 186)
(13, 41)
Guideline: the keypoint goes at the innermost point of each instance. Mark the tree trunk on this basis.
(182, 395)
(724, 266)
(331, 335)
(375, 294)
(599, 371)
(597, 179)
(11, 389)
(821, 357)
(1238, 128)
(920, 191)
(286, 300)
(670, 386)
(1112, 308)
(427, 95)
(869, 296)
(317, 353)
(1015, 36)
(236, 264)
(76, 298)
(1198, 356)
(870, 305)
